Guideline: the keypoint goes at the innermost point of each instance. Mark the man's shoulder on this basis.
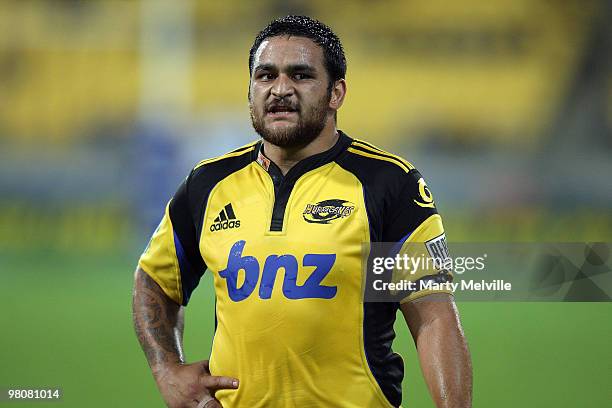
(371, 163)
(214, 169)
(237, 154)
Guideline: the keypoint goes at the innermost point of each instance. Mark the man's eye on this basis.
(299, 77)
(266, 77)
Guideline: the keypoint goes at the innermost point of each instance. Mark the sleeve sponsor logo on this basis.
(327, 211)
(426, 196)
(438, 251)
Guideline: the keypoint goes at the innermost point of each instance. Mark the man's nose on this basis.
(282, 86)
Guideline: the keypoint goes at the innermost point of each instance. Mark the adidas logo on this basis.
(226, 219)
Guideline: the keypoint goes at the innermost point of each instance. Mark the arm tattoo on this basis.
(158, 322)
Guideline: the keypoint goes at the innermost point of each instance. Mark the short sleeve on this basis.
(414, 225)
(172, 257)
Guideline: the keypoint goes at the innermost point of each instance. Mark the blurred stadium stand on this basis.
(505, 106)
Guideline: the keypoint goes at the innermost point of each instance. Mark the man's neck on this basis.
(286, 158)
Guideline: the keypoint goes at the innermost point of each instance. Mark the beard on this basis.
(308, 127)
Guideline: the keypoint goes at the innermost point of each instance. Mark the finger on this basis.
(205, 366)
(218, 383)
(213, 404)
(209, 402)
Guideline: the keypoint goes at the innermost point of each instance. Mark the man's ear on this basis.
(338, 93)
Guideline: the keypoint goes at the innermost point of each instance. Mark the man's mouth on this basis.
(280, 111)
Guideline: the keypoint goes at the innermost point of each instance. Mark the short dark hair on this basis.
(319, 33)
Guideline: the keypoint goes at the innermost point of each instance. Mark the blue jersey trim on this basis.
(188, 278)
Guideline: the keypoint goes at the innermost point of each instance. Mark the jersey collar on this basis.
(305, 165)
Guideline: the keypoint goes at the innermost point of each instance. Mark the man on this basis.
(280, 224)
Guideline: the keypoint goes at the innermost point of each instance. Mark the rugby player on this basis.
(280, 223)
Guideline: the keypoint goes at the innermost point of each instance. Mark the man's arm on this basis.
(158, 322)
(443, 352)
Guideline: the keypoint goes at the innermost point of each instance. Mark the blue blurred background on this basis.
(505, 106)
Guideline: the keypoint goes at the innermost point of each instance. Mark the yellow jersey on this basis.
(286, 255)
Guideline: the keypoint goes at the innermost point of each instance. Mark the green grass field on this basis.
(66, 322)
